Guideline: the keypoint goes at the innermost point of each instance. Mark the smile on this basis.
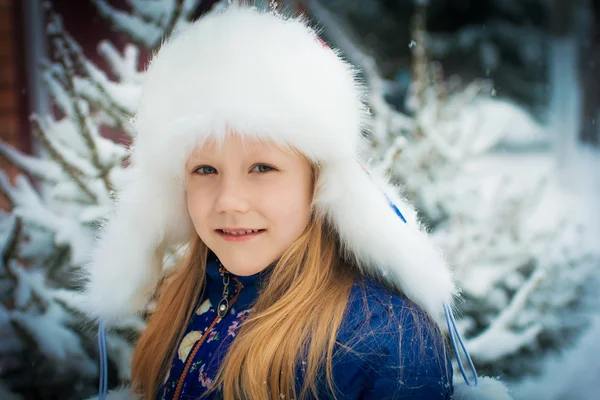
(238, 235)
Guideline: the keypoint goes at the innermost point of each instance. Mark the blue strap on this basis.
(452, 329)
(454, 334)
(103, 381)
(398, 213)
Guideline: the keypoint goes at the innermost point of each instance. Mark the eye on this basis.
(261, 168)
(205, 170)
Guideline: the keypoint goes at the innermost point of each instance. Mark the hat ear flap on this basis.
(126, 263)
(483, 388)
(380, 243)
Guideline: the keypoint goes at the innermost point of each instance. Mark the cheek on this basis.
(197, 204)
(288, 207)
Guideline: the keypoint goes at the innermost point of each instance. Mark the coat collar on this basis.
(249, 290)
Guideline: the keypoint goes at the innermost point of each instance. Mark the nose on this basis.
(231, 197)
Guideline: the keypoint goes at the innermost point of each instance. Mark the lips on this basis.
(239, 234)
(239, 231)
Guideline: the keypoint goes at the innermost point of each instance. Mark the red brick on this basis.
(8, 102)
(6, 20)
(6, 48)
(9, 125)
(7, 73)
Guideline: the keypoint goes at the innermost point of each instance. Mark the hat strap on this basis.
(451, 322)
(103, 381)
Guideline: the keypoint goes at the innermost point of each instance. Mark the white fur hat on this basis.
(263, 76)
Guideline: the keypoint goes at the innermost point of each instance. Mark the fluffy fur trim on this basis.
(266, 77)
(378, 240)
(487, 389)
(126, 263)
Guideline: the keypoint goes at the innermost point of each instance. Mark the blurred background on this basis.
(486, 111)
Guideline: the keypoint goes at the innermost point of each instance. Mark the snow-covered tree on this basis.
(519, 242)
(521, 255)
(48, 349)
(504, 40)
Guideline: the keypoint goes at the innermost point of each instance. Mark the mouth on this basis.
(239, 234)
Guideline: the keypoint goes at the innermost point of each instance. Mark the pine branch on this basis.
(71, 170)
(141, 10)
(486, 346)
(385, 116)
(420, 59)
(59, 44)
(10, 250)
(5, 189)
(24, 334)
(154, 26)
(174, 17)
(81, 62)
(59, 259)
(122, 22)
(34, 166)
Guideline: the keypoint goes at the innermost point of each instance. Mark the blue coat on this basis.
(395, 357)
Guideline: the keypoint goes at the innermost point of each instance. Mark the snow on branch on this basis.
(444, 156)
(47, 237)
(35, 166)
(69, 58)
(501, 338)
(145, 31)
(94, 85)
(148, 23)
(50, 332)
(28, 205)
(75, 167)
(10, 231)
(125, 66)
(386, 117)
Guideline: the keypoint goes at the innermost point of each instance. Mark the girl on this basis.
(299, 277)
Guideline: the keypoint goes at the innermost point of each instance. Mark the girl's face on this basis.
(248, 201)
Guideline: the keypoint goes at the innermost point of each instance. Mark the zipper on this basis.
(222, 309)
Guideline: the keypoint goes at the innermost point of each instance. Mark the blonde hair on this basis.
(299, 310)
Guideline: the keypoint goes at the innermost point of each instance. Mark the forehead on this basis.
(216, 146)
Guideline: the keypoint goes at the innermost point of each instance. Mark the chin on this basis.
(242, 263)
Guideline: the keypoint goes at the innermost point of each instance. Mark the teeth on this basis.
(240, 233)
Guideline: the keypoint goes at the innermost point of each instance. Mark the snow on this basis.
(36, 166)
(517, 223)
(29, 206)
(134, 26)
(155, 11)
(125, 67)
(7, 226)
(573, 375)
(42, 307)
(515, 127)
(56, 340)
(484, 174)
(513, 178)
(123, 94)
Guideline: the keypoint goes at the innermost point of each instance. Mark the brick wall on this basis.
(9, 107)
(9, 112)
